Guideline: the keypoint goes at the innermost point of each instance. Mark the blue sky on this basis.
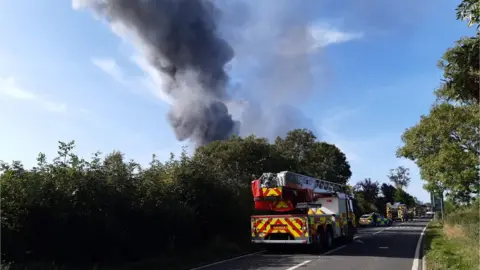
(66, 75)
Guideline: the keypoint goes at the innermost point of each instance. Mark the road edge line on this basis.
(416, 265)
(227, 260)
(298, 265)
(424, 258)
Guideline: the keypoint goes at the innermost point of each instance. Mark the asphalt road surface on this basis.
(381, 248)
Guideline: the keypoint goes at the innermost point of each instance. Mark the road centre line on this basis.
(298, 265)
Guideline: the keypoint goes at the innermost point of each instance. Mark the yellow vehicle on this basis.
(374, 219)
(397, 211)
(295, 209)
(419, 211)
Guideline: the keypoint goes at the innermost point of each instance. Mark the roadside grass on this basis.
(454, 244)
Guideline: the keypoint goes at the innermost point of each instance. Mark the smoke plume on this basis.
(277, 60)
(180, 39)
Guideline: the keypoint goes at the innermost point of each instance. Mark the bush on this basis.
(111, 210)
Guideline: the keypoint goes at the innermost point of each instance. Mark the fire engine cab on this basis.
(291, 208)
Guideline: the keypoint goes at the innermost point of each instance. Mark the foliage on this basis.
(372, 197)
(400, 176)
(388, 192)
(369, 189)
(455, 243)
(469, 10)
(445, 144)
(112, 210)
(461, 72)
(317, 159)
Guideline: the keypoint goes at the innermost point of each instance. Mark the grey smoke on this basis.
(181, 40)
(280, 65)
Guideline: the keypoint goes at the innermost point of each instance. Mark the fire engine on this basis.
(397, 211)
(291, 208)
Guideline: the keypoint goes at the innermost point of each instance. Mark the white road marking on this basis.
(298, 265)
(416, 265)
(382, 230)
(333, 250)
(383, 247)
(227, 260)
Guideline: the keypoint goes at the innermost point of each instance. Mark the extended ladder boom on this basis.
(298, 181)
(291, 190)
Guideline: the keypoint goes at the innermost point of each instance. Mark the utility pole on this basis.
(441, 206)
(438, 204)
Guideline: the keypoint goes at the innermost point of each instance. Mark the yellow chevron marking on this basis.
(272, 191)
(283, 221)
(281, 204)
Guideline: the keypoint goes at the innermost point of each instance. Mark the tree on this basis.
(446, 143)
(461, 72)
(400, 176)
(366, 193)
(313, 158)
(369, 189)
(469, 10)
(388, 193)
(404, 197)
(328, 162)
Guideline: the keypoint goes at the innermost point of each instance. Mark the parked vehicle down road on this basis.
(392, 248)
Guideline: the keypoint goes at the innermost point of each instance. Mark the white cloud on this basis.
(325, 34)
(110, 67)
(10, 89)
(151, 81)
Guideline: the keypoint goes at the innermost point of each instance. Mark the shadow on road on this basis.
(388, 242)
(266, 260)
(392, 243)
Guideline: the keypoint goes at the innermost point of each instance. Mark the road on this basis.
(391, 248)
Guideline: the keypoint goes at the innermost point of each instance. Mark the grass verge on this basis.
(449, 247)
